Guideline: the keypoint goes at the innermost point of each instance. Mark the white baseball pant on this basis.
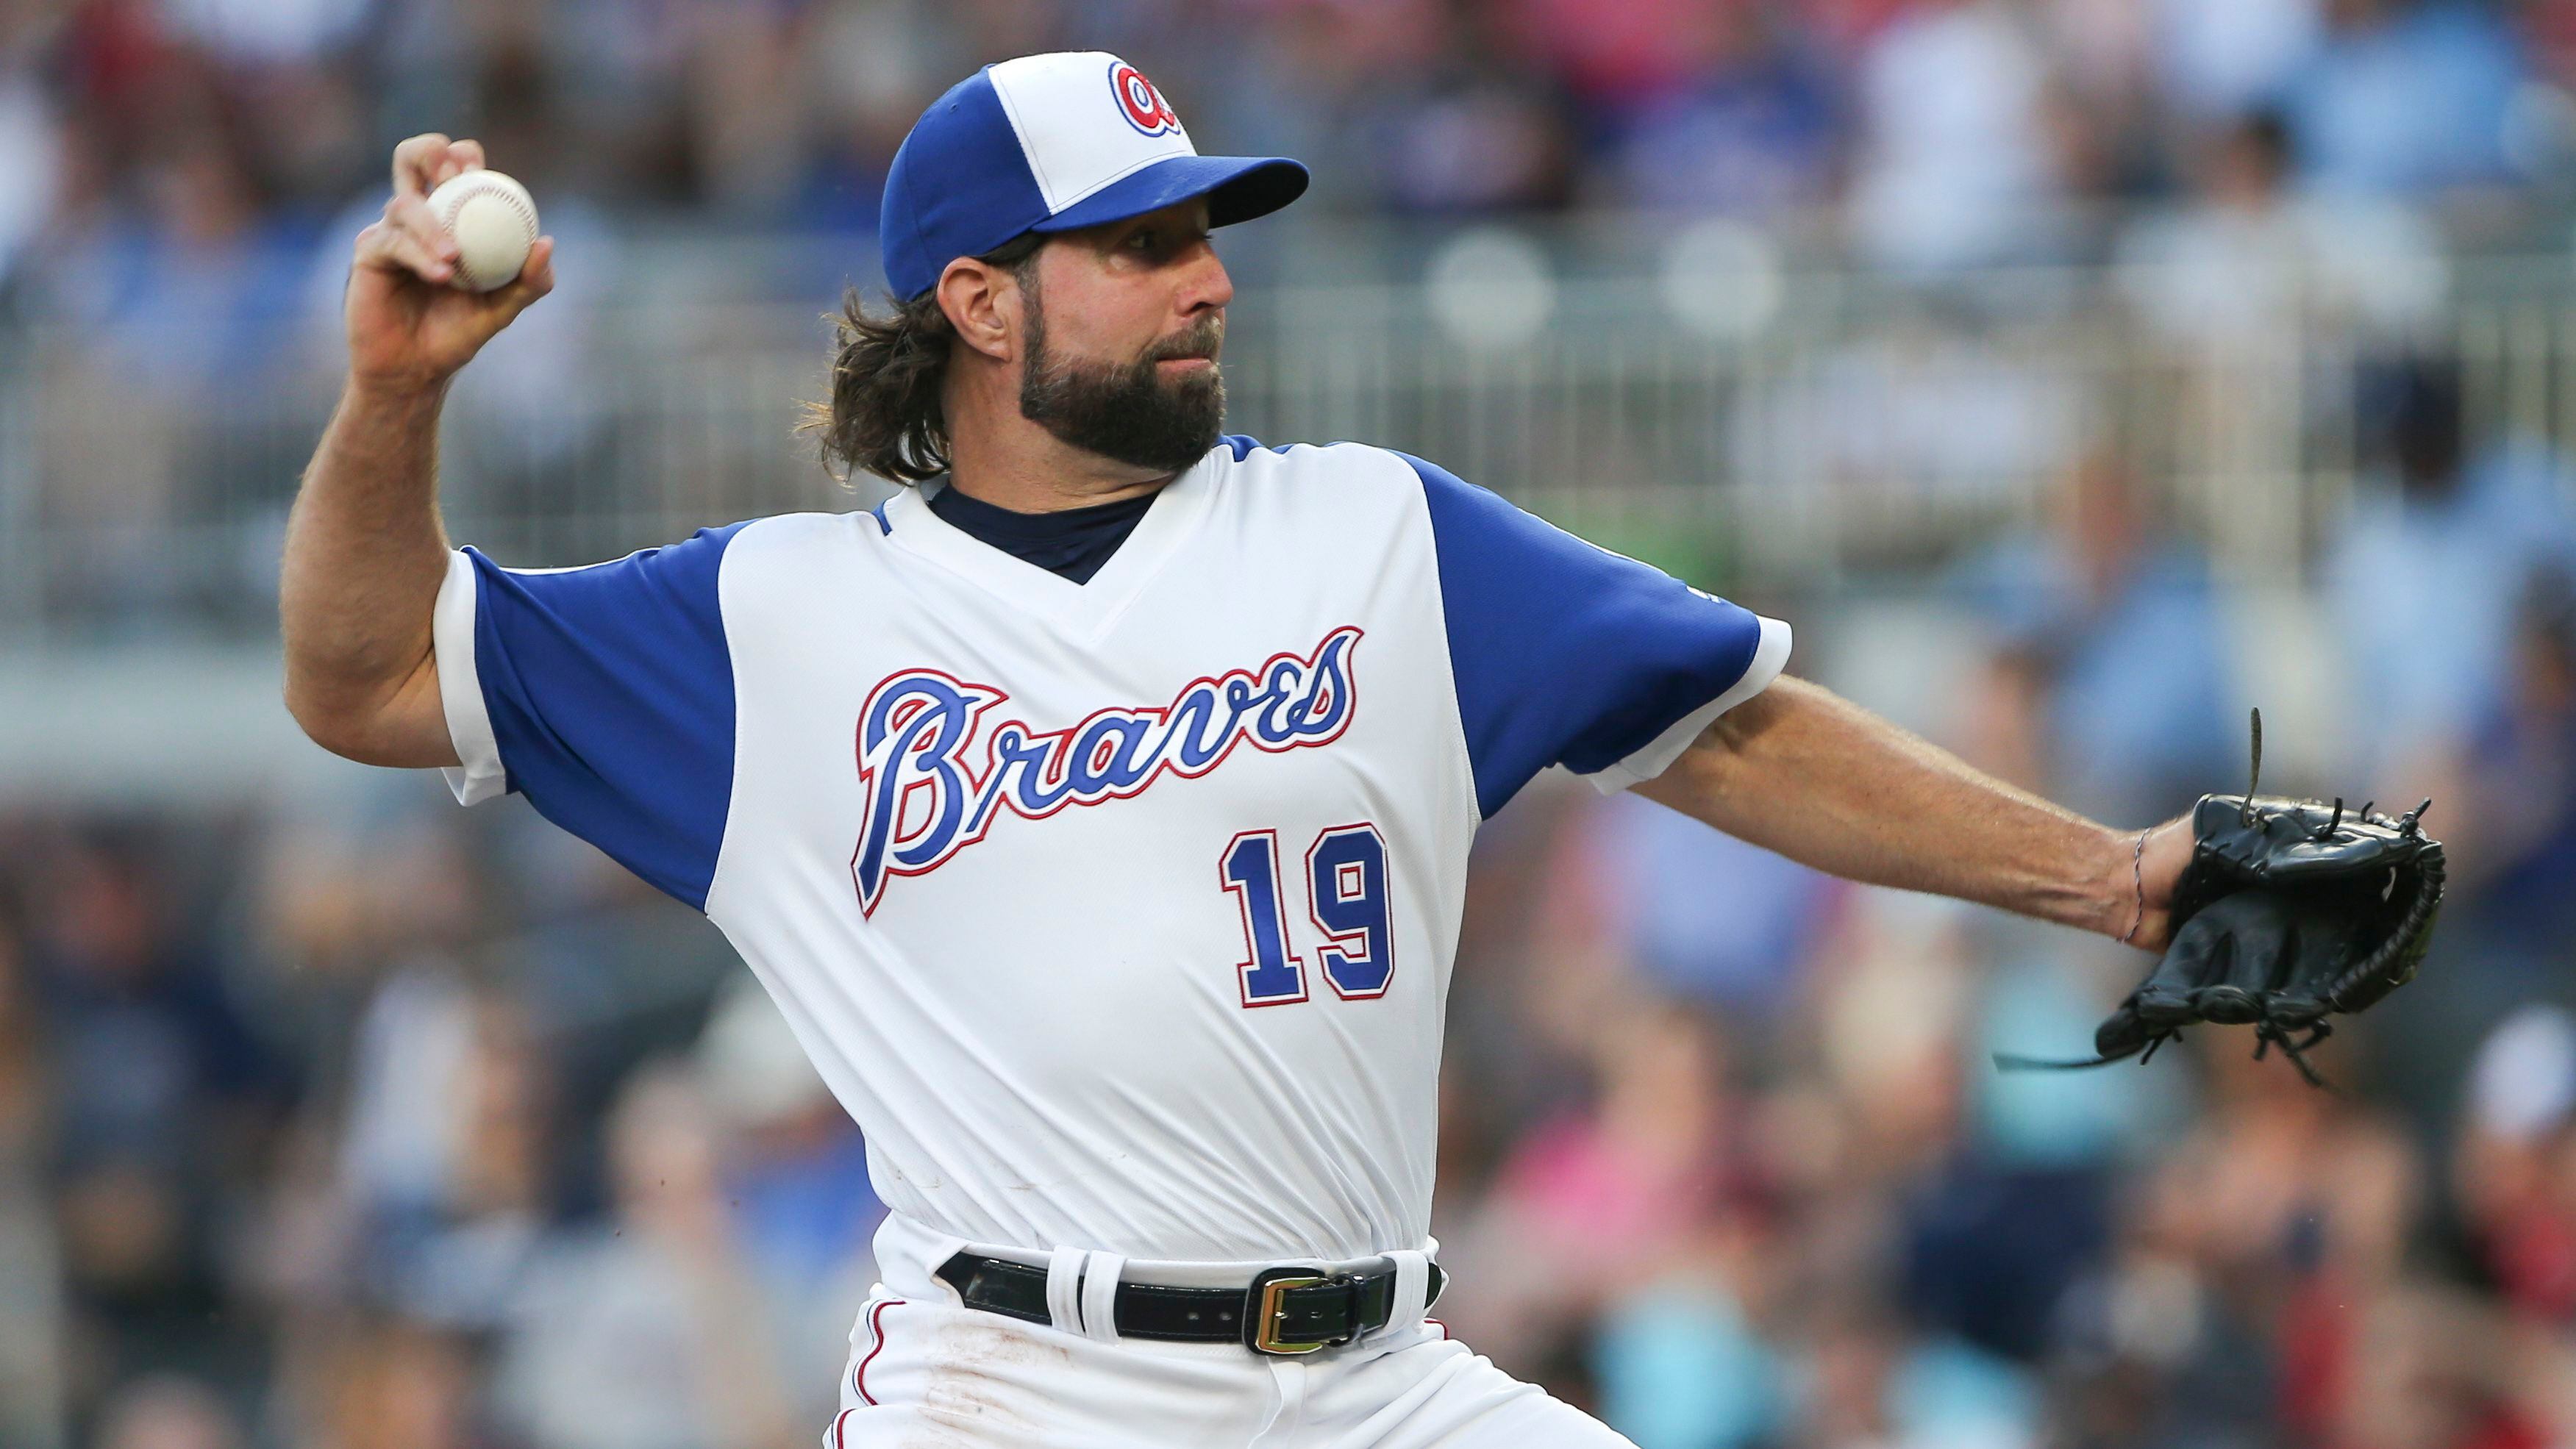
(926, 1371)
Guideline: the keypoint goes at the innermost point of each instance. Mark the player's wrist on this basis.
(2116, 900)
(397, 389)
(2137, 890)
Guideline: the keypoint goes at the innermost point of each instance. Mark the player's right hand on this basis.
(407, 326)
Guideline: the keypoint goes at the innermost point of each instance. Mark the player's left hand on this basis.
(2284, 913)
(2273, 913)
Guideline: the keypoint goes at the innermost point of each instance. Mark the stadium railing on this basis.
(1766, 427)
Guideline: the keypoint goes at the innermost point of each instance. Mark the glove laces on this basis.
(2267, 1034)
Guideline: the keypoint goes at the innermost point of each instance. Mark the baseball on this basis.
(494, 222)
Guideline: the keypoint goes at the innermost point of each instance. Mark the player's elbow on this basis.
(389, 725)
(328, 720)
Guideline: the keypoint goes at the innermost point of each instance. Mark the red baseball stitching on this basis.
(504, 194)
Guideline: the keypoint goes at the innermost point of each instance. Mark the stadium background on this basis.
(2074, 373)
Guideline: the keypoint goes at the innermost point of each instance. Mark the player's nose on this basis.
(1205, 284)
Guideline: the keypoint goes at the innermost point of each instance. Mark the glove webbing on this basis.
(2430, 871)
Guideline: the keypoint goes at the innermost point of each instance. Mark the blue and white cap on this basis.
(1053, 143)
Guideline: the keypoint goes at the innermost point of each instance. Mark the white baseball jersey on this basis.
(1119, 914)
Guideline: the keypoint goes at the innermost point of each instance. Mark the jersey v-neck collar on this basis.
(1072, 542)
(1085, 610)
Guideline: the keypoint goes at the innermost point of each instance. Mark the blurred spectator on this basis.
(1891, 1015)
(1612, 55)
(875, 66)
(2405, 96)
(2427, 574)
(168, 1413)
(1868, 1380)
(1702, 916)
(1955, 165)
(2150, 1351)
(2521, 776)
(2249, 266)
(2500, 738)
(2108, 689)
(188, 284)
(797, 1182)
(1992, 1247)
(1752, 130)
(2253, 1252)
(2425, 1366)
(31, 1347)
(165, 1101)
(371, 1382)
(1602, 1197)
(31, 163)
(1445, 124)
(2515, 1166)
(444, 1157)
(2220, 58)
(267, 32)
(647, 1331)
(1680, 1362)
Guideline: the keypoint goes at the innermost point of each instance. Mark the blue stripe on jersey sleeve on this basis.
(610, 691)
(1565, 653)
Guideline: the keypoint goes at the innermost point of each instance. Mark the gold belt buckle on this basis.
(1270, 1305)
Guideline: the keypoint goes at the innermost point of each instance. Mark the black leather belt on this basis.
(1284, 1311)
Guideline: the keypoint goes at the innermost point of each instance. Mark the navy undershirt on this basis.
(1073, 542)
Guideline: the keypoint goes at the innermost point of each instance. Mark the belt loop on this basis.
(1100, 1272)
(1412, 1288)
(1064, 1288)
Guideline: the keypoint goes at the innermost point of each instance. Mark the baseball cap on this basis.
(1053, 143)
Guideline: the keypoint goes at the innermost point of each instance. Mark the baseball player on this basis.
(1097, 809)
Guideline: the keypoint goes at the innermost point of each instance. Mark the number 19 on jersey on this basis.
(1345, 885)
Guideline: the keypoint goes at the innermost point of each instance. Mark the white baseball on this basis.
(494, 223)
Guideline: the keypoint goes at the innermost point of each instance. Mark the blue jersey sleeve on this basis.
(1568, 654)
(603, 694)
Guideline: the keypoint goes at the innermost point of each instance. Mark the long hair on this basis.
(885, 416)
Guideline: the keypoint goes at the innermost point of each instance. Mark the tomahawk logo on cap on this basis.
(1052, 143)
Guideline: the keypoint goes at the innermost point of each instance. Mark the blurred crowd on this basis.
(180, 179)
(191, 150)
(369, 1121)
(392, 1127)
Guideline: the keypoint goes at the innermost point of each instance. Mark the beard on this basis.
(1128, 412)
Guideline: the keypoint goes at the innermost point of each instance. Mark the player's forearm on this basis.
(365, 555)
(1801, 771)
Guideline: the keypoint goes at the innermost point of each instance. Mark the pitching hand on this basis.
(407, 326)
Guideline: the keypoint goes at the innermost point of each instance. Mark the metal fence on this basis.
(1764, 426)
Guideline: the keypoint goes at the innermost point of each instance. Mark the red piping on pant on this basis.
(876, 1327)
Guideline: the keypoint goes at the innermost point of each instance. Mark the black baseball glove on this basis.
(2290, 911)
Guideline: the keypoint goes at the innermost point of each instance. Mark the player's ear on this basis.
(981, 301)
